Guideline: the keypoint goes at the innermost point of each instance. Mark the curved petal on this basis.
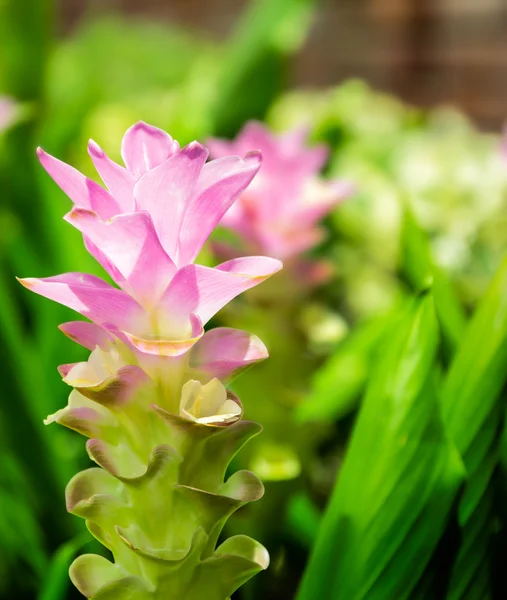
(86, 334)
(105, 263)
(116, 389)
(220, 184)
(144, 147)
(90, 296)
(204, 290)
(130, 242)
(118, 180)
(164, 347)
(81, 190)
(84, 416)
(165, 191)
(64, 370)
(224, 351)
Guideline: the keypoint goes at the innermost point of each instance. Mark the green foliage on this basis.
(56, 581)
(338, 384)
(419, 268)
(473, 409)
(269, 31)
(399, 479)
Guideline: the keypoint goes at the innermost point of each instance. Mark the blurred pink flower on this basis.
(146, 230)
(279, 213)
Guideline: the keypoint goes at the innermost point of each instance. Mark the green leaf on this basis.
(479, 370)
(57, 580)
(472, 408)
(253, 62)
(420, 270)
(302, 519)
(399, 477)
(338, 384)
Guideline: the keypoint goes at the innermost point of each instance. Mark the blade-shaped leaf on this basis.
(420, 270)
(473, 410)
(398, 480)
(268, 31)
(57, 580)
(339, 383)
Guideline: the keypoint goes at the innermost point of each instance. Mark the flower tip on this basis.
(95, 150)
(41, 153)
(50, 419)
(143, 126)
(259, 347)
(78, 213)
(254, 155)
(277, 265)
(195, 149)
(25, 281)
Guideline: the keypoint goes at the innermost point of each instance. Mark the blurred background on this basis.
(409, 95)
(425, 51)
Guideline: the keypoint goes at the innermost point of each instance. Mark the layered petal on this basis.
(106, 264)
(119, 181)
(82, 191)
(86, 334)
(219, 186)
(116, 389)
(204, 290)
(224, 351)
(165, 190)
(130, 243)
(175, 342)
(144, 147)
(91, 297)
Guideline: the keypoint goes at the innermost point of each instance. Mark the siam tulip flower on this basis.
(152, 397)
(279, 213)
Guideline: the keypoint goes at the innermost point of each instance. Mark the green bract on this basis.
(159, 502)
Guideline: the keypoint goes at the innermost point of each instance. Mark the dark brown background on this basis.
(427, 51)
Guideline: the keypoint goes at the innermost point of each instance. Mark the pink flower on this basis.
(146, 230)
(279, 212)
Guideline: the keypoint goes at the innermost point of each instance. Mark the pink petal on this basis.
(86, 334)
(311, 273)
(204, 291)
(64, 370)
(290, 243)
(165, 191)
(106, 264)
(90, 296)
(130, 243)
(296, 137)
(253, 136)
(164, 347)
(145, 147)
(81, 190)
(118, 180)
(324, 198)
(223, 351)
(220, 148)
(220, 184)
